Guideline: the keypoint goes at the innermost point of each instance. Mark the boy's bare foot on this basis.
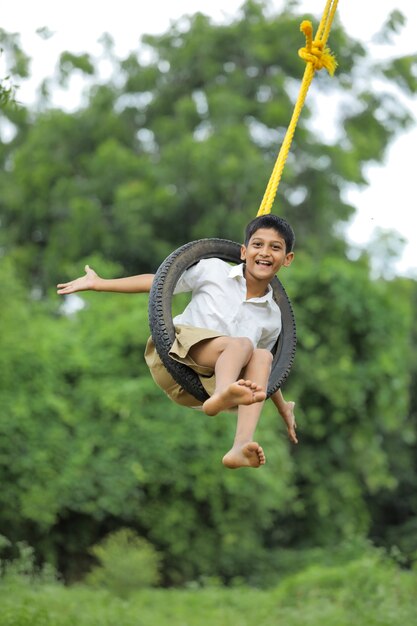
(240, 392)
(288, 416)
(249, 454)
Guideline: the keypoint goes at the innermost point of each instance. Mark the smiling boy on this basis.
(226, 332)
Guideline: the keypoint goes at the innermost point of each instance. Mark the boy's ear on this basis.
(243, 253)
(289, 258)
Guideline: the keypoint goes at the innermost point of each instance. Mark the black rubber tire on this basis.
(162, 327)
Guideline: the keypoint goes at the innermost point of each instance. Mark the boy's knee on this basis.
(264, 355)
(244, 344)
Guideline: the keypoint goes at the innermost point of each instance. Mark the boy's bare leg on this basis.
(228, 356)
(246, 452)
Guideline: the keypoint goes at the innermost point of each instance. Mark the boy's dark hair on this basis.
(272, 221)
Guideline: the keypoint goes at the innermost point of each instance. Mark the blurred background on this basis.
(118, 144)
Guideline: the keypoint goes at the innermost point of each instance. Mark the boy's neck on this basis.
(255, 288)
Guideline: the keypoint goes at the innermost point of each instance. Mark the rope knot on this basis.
(315, 52)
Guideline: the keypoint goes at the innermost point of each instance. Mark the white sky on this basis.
(390, 200)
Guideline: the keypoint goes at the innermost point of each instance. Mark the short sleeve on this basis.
(189, 279)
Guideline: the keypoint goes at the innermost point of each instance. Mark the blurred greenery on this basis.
(126, 563)
(368, 589)
(179, 145)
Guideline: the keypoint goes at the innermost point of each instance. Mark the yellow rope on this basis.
(316, 55)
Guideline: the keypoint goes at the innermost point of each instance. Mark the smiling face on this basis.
(265, 254)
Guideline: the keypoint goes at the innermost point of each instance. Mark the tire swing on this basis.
(160, 313)
(316, 55)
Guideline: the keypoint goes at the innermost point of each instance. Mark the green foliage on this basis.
(137, 171)
(393, 25)
(7, 92)
(353, 384)
(21, 568)
(126, 563)
(90, 444)
(17, 61)
(403, 71)
(181, 147)
(7, 89)
(368, 590)
(69, 62)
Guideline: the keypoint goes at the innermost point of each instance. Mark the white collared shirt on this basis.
(219, 303)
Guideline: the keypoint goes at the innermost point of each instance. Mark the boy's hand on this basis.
(84, 283)
(289, 419)
(291, 432)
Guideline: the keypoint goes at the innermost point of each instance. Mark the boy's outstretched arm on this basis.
(91, 281)
(286, 410)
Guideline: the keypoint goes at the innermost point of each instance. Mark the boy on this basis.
(226, 332)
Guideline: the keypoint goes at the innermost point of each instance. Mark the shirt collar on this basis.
(236, 271)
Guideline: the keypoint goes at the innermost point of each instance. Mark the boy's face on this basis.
(265, 254)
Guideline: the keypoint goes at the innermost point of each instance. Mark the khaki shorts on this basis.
(185, 338)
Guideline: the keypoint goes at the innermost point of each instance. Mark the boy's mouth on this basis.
(264, 263)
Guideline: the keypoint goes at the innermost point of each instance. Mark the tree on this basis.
(88, 443)
(179, 147)
(353, 375)
(16, 65)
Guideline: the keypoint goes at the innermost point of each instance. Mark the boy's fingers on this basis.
(292, 435)
(64, 288)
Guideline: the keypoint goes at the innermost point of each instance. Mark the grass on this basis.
(365, 592)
